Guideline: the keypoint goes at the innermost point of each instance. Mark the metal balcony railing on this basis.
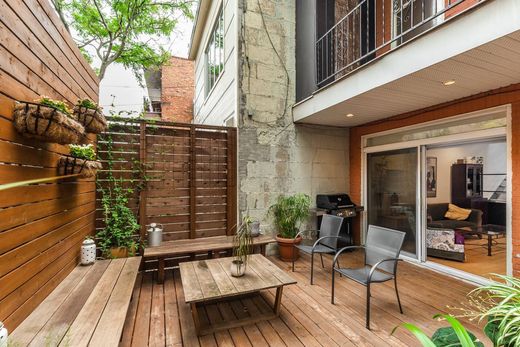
(374, 27)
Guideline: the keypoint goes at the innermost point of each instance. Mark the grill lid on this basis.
(333, 201)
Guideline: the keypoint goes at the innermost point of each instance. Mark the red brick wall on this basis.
(177, 90)
(502, 96)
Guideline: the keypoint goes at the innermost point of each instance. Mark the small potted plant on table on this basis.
(242, 247)
(82, 160)
(117, 238)
(47, 120)
(288, 213)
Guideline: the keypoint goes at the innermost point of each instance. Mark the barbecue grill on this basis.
(339, 205)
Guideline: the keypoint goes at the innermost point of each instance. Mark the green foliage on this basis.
(120, 222)
(499, 304)
(243, 241)
(454, 336)
(87, 103)
(85, 152)
(289, 212)
(131, 32)
(59, 105)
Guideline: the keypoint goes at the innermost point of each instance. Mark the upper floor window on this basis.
(215, 53)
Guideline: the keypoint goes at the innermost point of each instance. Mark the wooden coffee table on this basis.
(207, 281)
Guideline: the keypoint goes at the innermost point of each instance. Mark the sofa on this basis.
(445, 244)
(436, 212)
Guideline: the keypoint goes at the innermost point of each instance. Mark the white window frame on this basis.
(209, 84)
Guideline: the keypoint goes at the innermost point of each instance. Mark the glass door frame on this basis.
(421, 145)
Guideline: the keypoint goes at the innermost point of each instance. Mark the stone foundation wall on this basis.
(275, 155)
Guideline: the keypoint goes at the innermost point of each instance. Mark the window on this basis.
(215, 53)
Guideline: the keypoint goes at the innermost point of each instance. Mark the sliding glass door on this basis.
(392, 193)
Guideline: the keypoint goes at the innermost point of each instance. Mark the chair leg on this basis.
(312, 267)
(321, 257)
(332, 293)
(368, 307)
(293, 258)
(397, 293)
(339, 266)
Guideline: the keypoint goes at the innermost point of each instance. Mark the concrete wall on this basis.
(275, 155)
(219, 106)
(177, 90)
(495, 161)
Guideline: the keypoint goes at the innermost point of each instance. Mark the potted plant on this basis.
(47, 120)
(242, 247)
(116, 239)
(288, 213)
(90, 115)
(82, 160)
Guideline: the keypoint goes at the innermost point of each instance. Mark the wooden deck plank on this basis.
(309, 319)
(110, 326)
(171, 313)
(157, 337)
(84, 325)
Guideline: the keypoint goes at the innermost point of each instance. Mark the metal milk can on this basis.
(155, 235)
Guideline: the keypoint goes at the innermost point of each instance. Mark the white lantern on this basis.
(3, 335)
(88, 252)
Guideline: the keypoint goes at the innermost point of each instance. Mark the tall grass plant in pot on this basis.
(242, 247)
(288, 213)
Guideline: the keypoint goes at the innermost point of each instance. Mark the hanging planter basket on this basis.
(92, 119)
(46, 123)
(71, 166)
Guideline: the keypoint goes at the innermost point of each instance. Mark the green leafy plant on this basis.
(289, 212)
(59, 105)
(120, 222)
(85, 152)
(499, 305)
(455, 335)
(243, 241)
(87, 103)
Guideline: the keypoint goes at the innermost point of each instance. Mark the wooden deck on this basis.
(160, 317)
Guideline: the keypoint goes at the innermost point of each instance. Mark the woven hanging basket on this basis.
(92, 119)
(46, 123)
(71, 166)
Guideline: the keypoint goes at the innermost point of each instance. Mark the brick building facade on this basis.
(177, 90)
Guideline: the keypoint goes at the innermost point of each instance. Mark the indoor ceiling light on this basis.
(449, 82)
(350, 115)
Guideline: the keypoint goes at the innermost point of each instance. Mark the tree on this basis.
(130, 32)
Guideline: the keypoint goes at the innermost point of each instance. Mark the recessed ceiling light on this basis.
(449, 82)
(350, 115)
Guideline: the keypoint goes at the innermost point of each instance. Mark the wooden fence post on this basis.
(231, 202)
(143, 192)
(193, 183)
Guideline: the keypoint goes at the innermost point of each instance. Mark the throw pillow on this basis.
(457, 213)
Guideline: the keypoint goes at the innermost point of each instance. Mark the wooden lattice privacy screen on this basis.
(190, 175)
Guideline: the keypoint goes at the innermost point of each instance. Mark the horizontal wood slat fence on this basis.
(190, 175)
(42, 225)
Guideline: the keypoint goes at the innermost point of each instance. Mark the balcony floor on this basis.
(159, 317)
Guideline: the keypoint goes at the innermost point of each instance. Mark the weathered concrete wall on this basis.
(275, 155)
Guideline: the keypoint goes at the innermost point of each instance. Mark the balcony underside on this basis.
(480, 51)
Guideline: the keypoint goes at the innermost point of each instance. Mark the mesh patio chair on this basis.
(327, 242)
(382, 250)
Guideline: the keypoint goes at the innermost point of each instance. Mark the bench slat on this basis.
(46, 319)
(110, 327)
(86, 321)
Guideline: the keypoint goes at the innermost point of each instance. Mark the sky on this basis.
(120, 91)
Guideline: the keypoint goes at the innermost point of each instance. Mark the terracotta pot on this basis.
(287, 251)
(118, 252)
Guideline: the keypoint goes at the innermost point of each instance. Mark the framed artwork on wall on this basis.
(431, 177)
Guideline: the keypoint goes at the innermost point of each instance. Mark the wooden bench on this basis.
(87, 309)
(170, 249)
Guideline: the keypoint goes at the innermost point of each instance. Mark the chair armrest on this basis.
(343, 250)
(318, 241)
(376, 265)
